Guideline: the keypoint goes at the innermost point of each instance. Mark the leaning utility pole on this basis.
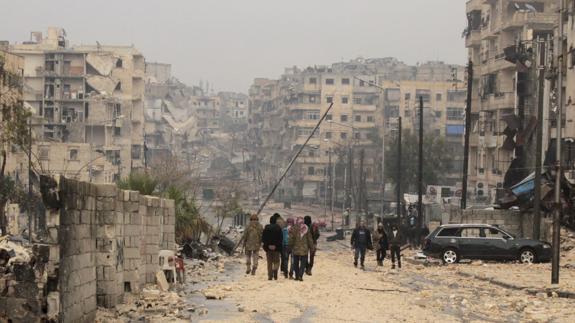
(558, 168)
(420, 166)
(467, 134)
(293, 160)
(398, 184)
(539, 140)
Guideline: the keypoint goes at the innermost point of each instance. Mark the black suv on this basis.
(454, 242)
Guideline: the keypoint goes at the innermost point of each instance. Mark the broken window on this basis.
(117, 112)
(454, 113)
(343, 118)
(136, 151)
(407, 96)
(329, 81)
(391, 111)
(312, 80)
(119, 63)
(357, 135)
(344, 100)
(358, 118)
(118, 87)
(345, 81)
(329, 99)
(328, 135)
(73, 154)
(370, 119)
(117, 131)
(44, 152)
(328, 117)
(311, 170)
(343, 135)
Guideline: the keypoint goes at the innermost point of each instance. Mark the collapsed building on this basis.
(87, 106)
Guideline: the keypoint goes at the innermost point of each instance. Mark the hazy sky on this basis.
(229, 43)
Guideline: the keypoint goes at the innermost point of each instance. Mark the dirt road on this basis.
(338, 292)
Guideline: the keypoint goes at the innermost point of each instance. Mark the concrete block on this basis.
(131, 253)
(170, 204)
(155, 202)
(134, 196)
(106, 190)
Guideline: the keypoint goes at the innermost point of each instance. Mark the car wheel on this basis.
(527, 256)
(450, 256)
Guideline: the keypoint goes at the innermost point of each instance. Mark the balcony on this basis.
(533, 19)
(473, 39)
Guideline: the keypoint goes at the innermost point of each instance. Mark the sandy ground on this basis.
(338, 292)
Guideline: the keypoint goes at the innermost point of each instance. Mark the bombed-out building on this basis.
(501, 38)
(87, 103)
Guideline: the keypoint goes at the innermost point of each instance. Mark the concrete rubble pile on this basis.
(25, 284)
(150, 304)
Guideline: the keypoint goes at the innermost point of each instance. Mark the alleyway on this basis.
(338, 292)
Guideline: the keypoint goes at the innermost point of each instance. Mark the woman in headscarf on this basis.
(300, 242)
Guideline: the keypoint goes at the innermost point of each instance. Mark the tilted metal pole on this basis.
(293, 160)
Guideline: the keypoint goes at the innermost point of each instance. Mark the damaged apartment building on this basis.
(87, 106)
(503, 38)
(368, 96)
(202, 130)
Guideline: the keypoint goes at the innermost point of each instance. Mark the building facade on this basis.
(500, 40)
(87, 104)
(343, 159)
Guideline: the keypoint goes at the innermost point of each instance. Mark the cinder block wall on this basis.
(109, 241)
(77, 242)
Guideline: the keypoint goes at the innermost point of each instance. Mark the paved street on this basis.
(338, 292)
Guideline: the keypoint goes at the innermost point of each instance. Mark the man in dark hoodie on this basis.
(272, 239)
(360, 242)
(314, 230)
(395, 241)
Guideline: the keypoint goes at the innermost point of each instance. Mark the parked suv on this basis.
(454, 242)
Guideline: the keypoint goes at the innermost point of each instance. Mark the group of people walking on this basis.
(289, 245)
(383, 240)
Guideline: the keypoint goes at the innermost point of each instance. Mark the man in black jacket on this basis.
(395, 241)
(272, 239)
(314, 229)
(360, 242)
